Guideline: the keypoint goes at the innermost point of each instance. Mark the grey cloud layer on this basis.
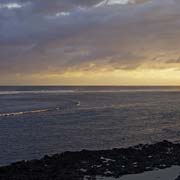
(56, 35)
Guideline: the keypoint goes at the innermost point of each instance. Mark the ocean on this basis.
(35, 121)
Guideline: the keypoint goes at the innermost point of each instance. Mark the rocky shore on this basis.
(89, 164)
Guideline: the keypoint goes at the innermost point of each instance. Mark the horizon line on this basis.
(92, 85)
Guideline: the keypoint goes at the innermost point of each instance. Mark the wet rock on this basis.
(78, 165)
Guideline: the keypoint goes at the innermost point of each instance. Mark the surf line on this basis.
(27, 112)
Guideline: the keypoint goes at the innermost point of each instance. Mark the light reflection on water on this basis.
(164, 174)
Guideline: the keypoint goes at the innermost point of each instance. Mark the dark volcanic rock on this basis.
(77, 165)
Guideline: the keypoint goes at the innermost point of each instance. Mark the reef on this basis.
(88, 164)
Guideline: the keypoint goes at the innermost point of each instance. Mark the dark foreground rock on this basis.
(89, 164)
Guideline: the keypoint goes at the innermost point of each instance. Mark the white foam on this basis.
(91, 91)
(36, 92)
(23, 112)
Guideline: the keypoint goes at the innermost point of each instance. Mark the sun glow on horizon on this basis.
(140, 77)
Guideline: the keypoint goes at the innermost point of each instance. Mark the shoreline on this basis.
(105, 163)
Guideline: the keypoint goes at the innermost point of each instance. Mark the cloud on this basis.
(114, 2)
(10, 6)
(45, 36)
(63, 14)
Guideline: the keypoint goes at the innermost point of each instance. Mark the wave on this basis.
(27, 112)
(89, 90)
(76, 104)
(36, 92)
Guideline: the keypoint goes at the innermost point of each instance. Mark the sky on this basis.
(89, 42)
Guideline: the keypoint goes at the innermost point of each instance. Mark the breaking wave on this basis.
(89, 90)
(36, 92)
(75, 104)
(27, 112)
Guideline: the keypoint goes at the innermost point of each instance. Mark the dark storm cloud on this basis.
(40, 35)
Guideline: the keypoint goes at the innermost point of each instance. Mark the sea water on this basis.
(35, 121)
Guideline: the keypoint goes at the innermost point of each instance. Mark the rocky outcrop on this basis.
(89, 164)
